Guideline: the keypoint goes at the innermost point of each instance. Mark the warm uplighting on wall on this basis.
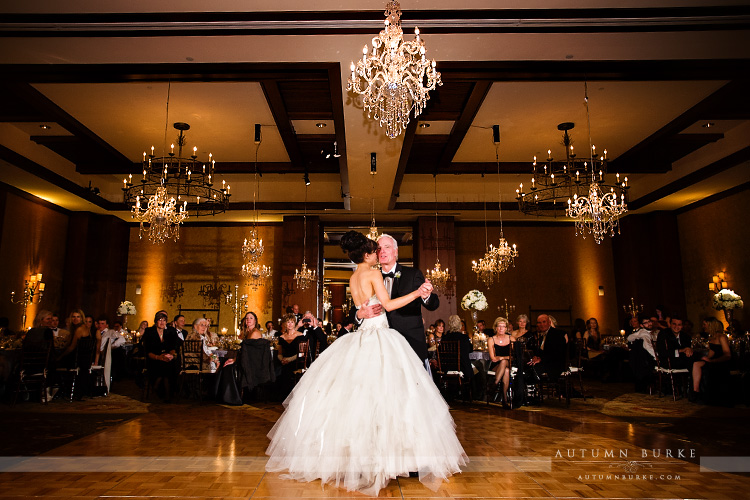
(718, 282)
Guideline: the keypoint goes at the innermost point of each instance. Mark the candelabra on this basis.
(238, 306)
(633, 309)
(508, 308)
(33, 288)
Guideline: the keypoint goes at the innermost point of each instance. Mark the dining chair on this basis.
(191, 365)
(301, 362)
(449, 366)
(664, 368)
(78, 378)
(33, 371)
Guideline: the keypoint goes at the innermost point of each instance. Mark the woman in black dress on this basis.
(288, 352)
(714, 366)
(498, 347)
(160, 345)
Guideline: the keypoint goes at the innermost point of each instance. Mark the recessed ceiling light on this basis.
(424, 125)
(321, 125)
(708, 125)
(44, 126)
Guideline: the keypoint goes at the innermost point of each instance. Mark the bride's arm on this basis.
(375, 278)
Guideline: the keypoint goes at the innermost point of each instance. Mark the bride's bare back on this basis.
(366, 282)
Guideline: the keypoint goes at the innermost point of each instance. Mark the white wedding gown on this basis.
(365, 412)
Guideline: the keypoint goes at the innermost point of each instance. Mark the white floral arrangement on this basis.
(126, 307)
(727, 299)
(474, 299)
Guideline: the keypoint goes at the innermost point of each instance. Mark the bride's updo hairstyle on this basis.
(356, 245)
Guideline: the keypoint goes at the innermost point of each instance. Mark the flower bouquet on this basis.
(726, 300)
(126, 308)
(474, 300)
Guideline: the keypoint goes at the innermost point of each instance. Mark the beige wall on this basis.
(33, 240)
(713, 238)
(200, 254)
(555, 269)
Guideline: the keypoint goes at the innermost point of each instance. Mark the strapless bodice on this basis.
(380, 321)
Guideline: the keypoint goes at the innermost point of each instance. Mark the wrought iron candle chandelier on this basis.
(576, 186)
(173, 186)
(395, 77)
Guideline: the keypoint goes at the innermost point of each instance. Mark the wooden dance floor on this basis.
(206, 451)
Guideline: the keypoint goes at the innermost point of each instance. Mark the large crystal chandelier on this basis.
(252, 248)
(303, 276)
(576, 187)
(440, 278)
(171, 187)
(395, 77)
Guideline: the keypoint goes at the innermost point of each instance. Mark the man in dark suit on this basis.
(318, 340)
(551, 353)
(346, 329)
(673, 346)
(399, 281)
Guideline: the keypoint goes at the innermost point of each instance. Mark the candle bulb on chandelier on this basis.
(549, 155)
(626, 182)
(144, 156)
(577, 176)
(188, 175)
(172, 149)
(605, 154)
(195, 150)
(210, 155)
(593, 151)
(152, 151)
(144, 174)
(601, 175)
(553, 178)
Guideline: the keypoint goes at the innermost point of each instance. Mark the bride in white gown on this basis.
(366, 410)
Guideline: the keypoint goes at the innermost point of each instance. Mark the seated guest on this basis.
(178, 323)
(348, 328)
(714, 366)
(255, 362)
(551, 355)
(271, 330)
(142, 328)
(642, 353)
(5, 331)
(61, 336)
(455, 334)
(40, 335)
(314, 334)
(78, 330)
(160, 345)
(523, 322)
(210, 339)
(249, 327)
(674, 347)
(498, 347)
(633, 325)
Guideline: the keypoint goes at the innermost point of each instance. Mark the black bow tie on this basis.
(388, 275)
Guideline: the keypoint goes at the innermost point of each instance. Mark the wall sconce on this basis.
(137, 289)
(601, 291)
(718, 282)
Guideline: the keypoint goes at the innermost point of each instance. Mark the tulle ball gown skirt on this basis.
(366, 412)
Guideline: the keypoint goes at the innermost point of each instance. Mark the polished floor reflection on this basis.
(611, 446)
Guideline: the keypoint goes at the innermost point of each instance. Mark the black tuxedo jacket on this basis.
(317, 341)
(554, 355)
(408, 319)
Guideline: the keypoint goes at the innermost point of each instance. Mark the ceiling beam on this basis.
(337, 102)
(462, 125)
(409, 134)
(283, 123)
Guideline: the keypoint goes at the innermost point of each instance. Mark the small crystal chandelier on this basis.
(326, 299)
(483, 267)
(598, 213)
(500, 258)
(170, 180)
(395, 77)
(440, 278)
(252, 248)
(305, 277)
(160, 219)
(373, 234)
